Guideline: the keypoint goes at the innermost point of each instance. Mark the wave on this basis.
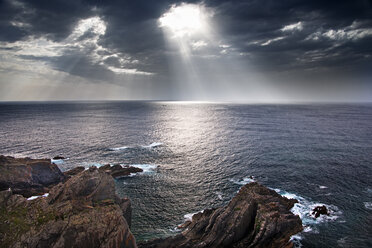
(219, 195)
(188, 217)
(304, 209)
(118, 148)
(244, 181)
(368, 205)
(147, 168)
(37, 196)
(152, 145)
(91, 164)
(296, 240)
(58, 161)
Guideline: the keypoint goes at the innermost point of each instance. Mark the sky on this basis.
(256, 51)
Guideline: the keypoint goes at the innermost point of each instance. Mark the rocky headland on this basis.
(255, 217)
(79, 208)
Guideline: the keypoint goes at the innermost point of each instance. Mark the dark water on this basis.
(315, 153)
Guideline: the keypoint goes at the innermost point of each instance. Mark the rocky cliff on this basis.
(82, 212)
(27, 176)
(255, 217)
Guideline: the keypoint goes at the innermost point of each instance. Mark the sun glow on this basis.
(185, 19)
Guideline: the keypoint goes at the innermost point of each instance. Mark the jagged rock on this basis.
(255, 217)
(320, 210)
(118, 171)
(58, 157)
(82, 212)
(74, 171)
(28, 176)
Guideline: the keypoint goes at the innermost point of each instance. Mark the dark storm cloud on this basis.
(328, 36)
(245, 22)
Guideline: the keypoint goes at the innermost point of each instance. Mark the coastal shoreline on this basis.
(79, 208)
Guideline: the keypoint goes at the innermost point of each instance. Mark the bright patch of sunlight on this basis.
(185, 19)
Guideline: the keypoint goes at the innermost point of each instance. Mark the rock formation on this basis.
(255, 217)
(27, 176)
(58, 157)
(117, 170)
(74, 171)
(82, 212)
(320, 210)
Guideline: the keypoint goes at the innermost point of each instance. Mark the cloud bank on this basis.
(244, 50)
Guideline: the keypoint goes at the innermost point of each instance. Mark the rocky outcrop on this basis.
(117, 170)
(74, 171)
(255, 217)
(82, 212)
(27, 176)
(58, 157)
(320, 210)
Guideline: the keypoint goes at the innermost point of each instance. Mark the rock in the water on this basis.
(255, 217)
(118, 171)
(82, 212)
(320, 210)
(58, 157)
(27, 176)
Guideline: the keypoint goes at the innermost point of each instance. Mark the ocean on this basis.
(198, 155)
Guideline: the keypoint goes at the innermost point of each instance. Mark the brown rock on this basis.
(27, 176)
(255, 217)
(117, 170)
(82, 212)
(74, 171)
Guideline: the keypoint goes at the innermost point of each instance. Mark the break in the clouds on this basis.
(244, 50)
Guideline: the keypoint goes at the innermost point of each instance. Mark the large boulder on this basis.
(82, 212)
(28, 176)
(255, 217)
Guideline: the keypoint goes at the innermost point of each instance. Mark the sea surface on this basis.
(198, 155)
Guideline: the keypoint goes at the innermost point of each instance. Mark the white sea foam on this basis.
(322, 187)
(37, 196)
(304, 209)
(90, 164)
(219, 195)
(119, 148)
(296, 240)
(152, 145)
(243, 181)
(58, 161)
(175, 229)
(147, 168)
(368, 205)
(188, 217)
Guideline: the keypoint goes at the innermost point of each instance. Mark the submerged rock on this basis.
(82, 212)
(28, 176)
(255, 217)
